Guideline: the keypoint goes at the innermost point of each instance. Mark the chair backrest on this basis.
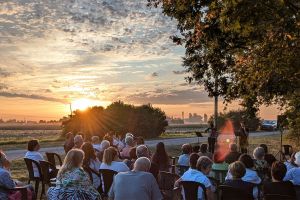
(182, 169)
(45, 168)
(220, 175)
(90, 172)
(231, 193)
(107, 177)
(287, 150)
(51, 158)
(173, 159)
(167, 180)
(29, 164)
(278, 197)
(191, 190)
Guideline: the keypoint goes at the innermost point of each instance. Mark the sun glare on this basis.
(81, 104)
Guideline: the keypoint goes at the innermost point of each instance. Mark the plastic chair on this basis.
(107, 177)
(191, 189)
(231, 193)
(29, 164)
(166, 183)
(278, 197)
(182, 169)
(48, 171)
(51, 158)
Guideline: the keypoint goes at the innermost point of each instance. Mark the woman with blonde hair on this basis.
(111, 161)
(72, 182)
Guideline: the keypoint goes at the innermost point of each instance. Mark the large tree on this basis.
(255, 42)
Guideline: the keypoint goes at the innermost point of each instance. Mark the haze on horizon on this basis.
(55, 52)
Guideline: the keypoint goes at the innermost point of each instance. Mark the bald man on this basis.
(136, 184)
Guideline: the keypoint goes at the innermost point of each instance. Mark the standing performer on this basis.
(212, 139)
(244, 134)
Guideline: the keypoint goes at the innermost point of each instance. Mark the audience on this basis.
(69, 143)
(291, 162)
(91, 161)
(219, 161)
(233, 155)
(129, 145)
(184, 158)
(7, 182)
(33, 153)
(109, 138)
(204, 151)
(196, 149)
(104, 145)
(259, 163)
(278, 186)
(78, 141)
(161, 158)
(96, 143)
(293, 174)
(132, 158)
(199, 174)
(238, 170)
(143, 151)
(111, 161)
(139, 140)
(137, 184)
(72, 182)
(250, 175)
(268, 157)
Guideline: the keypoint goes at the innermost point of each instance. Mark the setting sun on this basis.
(82, 104)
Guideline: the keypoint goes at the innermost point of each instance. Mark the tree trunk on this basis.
(216, 112)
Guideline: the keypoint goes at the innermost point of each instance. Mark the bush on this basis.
(119, 118)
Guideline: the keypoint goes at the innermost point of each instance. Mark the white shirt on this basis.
(197, 176)
(97, 147)
(34, 155)
(115, 166)
(95, 165)
(184, 160)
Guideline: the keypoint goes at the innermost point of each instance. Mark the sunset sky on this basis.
(54, 52)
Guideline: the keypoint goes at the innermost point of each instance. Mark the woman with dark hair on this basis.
(250, 175)
(69, 143)
(91, 161)
(161, 158)
(33, 153)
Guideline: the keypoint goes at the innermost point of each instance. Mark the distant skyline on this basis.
(56, 52)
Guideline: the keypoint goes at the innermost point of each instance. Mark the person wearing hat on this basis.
(293, 174)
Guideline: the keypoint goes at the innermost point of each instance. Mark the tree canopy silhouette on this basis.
(120, 118)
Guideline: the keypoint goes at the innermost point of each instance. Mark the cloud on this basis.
(31, 96)
(170, 97)
(179, 72)
(154, 74)
(4, 73)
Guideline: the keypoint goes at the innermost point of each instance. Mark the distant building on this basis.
(175, 120)
(194, 118)
(205, 118)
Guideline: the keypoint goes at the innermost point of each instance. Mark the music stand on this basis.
(280, 153)
(281, 123)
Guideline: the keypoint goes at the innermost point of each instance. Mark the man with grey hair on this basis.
(78, 141)
(233, 155)
(143, 151)
(136, 184)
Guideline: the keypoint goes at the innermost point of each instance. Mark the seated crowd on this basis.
(138, 170)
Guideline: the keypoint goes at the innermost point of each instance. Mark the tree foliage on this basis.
(119, 118)
(256, 45)
(238, 116)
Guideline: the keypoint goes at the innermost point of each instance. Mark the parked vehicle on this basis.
(268, 125)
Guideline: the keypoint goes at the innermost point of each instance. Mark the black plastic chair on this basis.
(278, 197)
(191, 189)
(231, 193)
(51, 158)
(166, 183)
(29, 164)
(49, 171)
(182, 169)
(107, 177)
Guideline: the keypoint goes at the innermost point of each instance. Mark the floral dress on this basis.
(73, 185)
